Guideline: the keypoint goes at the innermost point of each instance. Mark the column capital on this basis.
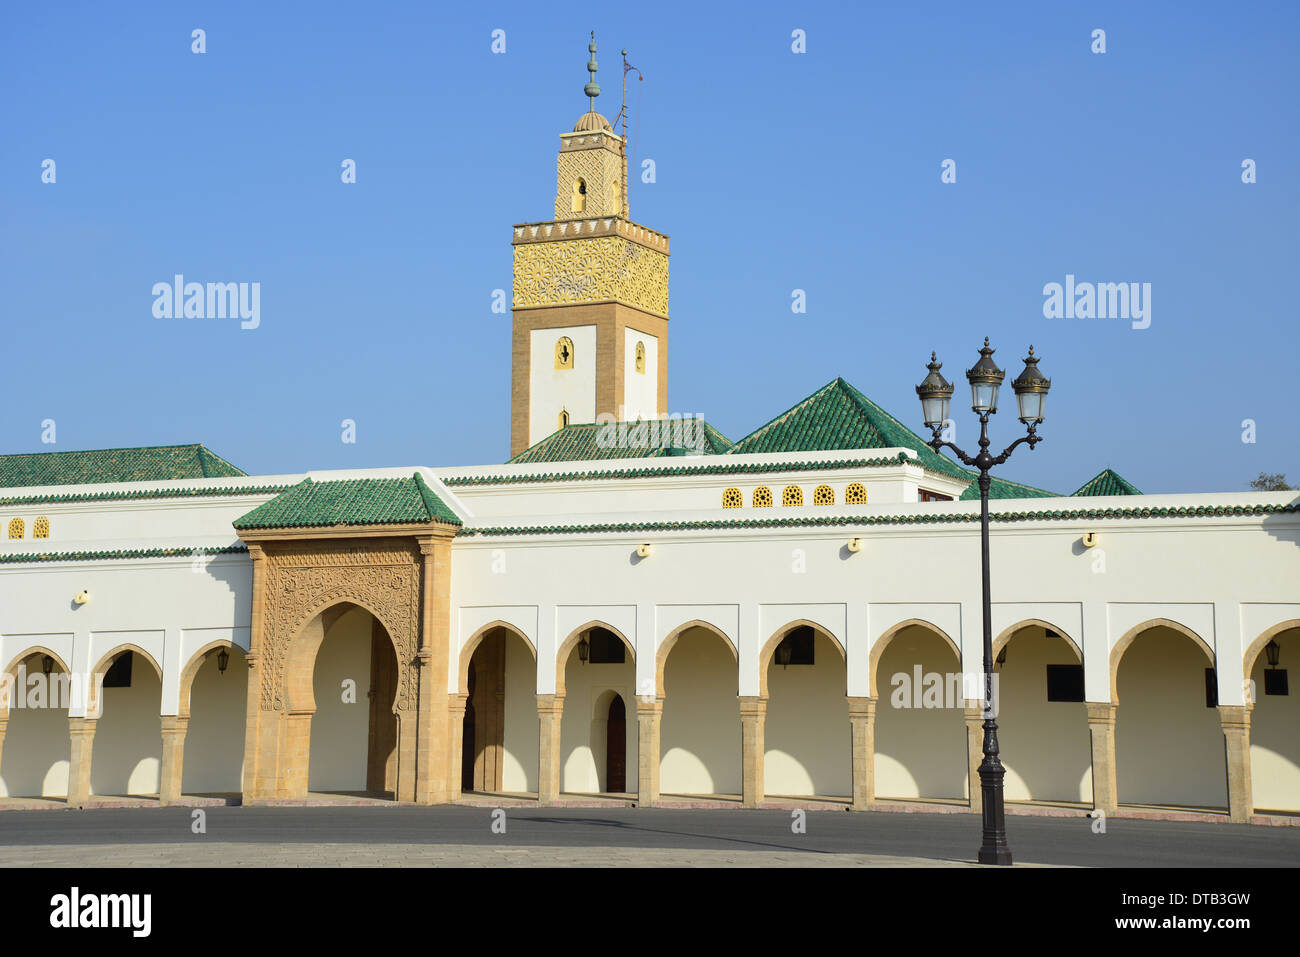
(862, 707)
(175, 723)
(653, 706)
(550, 703)
(1234, 717)
(753, 705)
(1100, 712)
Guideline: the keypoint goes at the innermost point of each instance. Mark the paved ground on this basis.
(609, 836)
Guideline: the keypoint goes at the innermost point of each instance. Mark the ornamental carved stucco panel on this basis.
(304, 582)
(600, 269)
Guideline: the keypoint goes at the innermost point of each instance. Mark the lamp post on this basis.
(935, 393)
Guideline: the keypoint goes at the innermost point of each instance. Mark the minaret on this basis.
(590, 295)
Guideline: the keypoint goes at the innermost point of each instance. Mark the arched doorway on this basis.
(1043, 732)
(1168, 736)
(807, 735)
(214, 701)
(126, 758)
(598, 666)
(499, 735)
(353, 744)
(1275, 721)
(700, 730)
(920, 716)
(34, 761)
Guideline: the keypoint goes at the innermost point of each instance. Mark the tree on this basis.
(1271, 483)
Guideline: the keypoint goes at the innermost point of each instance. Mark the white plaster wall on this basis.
(126, 757)
(582, 730)
(551, 389)
(1275, 733)
(1169, 745)
(807, 736)
(920, 752)
(1045, 745)
(340, 731)
(640, 389)
(699, 733)
(214, 742)
(521, 733)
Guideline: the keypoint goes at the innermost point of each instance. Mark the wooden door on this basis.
(616, 747)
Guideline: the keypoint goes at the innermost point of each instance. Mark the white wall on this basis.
(582, 729)
(37, 750)
(640, 389)
(521, 736)
(551, 389)
(1275, 733)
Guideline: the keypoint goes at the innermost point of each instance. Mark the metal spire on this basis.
(592, 89)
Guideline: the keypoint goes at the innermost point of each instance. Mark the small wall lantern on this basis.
(223, 659)
(82, 596)
(47, 665)
(1089, 539)
(584, 649)
(644, 550)
(1274, 652)
(855, 545)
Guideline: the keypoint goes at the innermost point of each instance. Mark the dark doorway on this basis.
(616, 747)
(467, 738)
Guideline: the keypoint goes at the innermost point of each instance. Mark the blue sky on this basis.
(775, 171)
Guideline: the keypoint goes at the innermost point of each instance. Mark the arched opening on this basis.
(352, 735)
(215, 701)
(34, 761)
(920, 715)
(807, 733)
(616, 745)
(1042, 720)
(1275, 722)
(499, 736)
(699, 732)
(1168, 736)
(126, 757)
(579, 195)
(589, 688)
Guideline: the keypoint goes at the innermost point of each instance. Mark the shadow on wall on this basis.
(807, 734)
(699, 734)
(1275, 730)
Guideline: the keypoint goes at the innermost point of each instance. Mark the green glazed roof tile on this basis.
(1107, 482)
(147, 464)
(626, 440)
(369, 501)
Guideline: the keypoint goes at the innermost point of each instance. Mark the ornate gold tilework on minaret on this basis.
(590, 267)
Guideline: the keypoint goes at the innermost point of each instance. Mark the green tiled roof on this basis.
(148, 464)
(1004, 488)
(172, 551)
(1107, 482)
(626, 440)
(838, 416)
(370, 501)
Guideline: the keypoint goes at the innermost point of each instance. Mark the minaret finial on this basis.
(592, 89)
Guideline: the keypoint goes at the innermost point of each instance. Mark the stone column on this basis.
(433, 758)
(4, 726)
(173, 758)
(81, 731)
(261, 728)
(1236, 736)
(648, 716)
(550, 709)
(1101, 727)
(456, 705)
(975, 754)
(753, 715)
(862, 718)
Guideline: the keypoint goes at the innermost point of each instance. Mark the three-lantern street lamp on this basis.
(1031, 395)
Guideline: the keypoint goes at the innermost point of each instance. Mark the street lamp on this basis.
(935, 392)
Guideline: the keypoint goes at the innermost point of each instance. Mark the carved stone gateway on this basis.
(302, 580)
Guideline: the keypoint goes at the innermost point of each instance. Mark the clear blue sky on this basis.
(776, 171)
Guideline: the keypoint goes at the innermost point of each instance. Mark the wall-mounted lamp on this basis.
(1273, 650)
(584, 649)
(81, 597)
(1089, 539)
(643, 550)
(855, 545)
(784, 652)
(223, 659)
(1002, 655)
(47, 665)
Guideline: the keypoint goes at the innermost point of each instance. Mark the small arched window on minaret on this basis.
(564, 417)
(579, 195)
(564, 353)
(640, 357)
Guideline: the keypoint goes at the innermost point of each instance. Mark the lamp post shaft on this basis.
(994, 849)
